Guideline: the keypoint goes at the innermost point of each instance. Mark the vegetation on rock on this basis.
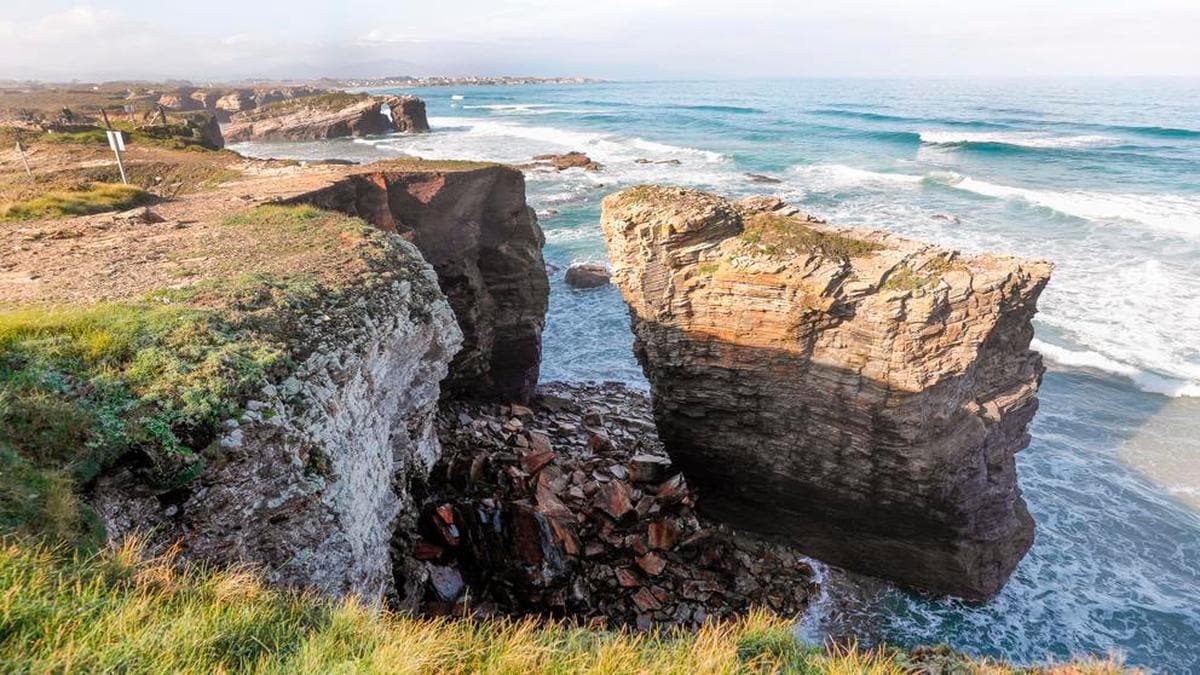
(775, 234)
(334, 100)
(150, 381)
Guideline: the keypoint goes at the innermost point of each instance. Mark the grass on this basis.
(336, 100)
(905, 278)
(780, 235)
(118, 611)
(81, 388)
(147, 382)
(89, 198)
(171, 136)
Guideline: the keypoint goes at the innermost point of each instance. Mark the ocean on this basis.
(1101, 177)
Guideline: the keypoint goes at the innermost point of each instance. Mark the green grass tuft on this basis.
(336, 100)
(781, 235)
(93, 198)
(83, 387)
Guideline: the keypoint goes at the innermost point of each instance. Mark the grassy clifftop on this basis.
(150, 378)
(120, 612)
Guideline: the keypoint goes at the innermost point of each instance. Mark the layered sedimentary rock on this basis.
(408, 114)
(310, 119)
(472, 224)
(861, 394)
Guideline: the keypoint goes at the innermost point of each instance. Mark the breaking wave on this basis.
(1176, 214)
(1019, 139)
(1144, 380)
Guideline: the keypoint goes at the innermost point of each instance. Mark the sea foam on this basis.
(1025, 139)
(1173, 213)
(1089, 360)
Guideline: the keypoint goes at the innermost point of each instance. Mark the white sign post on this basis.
(116, 141)
(21, 149)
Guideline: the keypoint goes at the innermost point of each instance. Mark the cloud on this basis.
(228, 39)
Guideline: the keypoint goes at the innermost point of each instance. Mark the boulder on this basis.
(408, 114)
(310, 118)
(474, 226)
(860, 394)
(588, 275)
(570, 160)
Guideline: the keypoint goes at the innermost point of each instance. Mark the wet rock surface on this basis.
(570, 507)
(569, 160)
(588, 275)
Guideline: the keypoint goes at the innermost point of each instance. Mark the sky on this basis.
(616, 39)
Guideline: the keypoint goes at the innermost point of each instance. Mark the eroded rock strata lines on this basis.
(859, 393)
(471, 222)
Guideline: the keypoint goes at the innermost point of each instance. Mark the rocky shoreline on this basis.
(570, 507)
(844, 394)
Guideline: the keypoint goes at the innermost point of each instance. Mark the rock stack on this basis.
(408, 114)
(570, 507)
(861, 394)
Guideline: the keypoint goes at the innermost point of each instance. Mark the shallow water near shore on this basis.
(1102, 177)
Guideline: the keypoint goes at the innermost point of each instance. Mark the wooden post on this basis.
(21, 149)
(117, 143)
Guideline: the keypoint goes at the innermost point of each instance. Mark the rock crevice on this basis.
(475, 228)
(858, 393)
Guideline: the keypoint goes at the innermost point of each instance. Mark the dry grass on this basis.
(118, 611)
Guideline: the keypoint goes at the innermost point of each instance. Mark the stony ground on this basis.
(571, 507)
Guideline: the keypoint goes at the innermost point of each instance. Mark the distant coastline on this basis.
(321, 82)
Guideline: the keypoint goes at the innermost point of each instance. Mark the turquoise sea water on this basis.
(1102, 177)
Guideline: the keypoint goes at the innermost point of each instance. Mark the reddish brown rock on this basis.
(613, 499)
(569, 555)
(471, 222)
(859, 393)
(408, 114)
(570, 160)
(662, 534)
(652, 564)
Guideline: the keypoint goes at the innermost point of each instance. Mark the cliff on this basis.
(471, 222)
(310, 118)
(861, 394)
(277, 408)
(260, 383)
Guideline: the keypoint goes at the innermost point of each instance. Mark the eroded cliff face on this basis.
(472, 224)
(316, 476)
(861, 394)
(309, 119)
